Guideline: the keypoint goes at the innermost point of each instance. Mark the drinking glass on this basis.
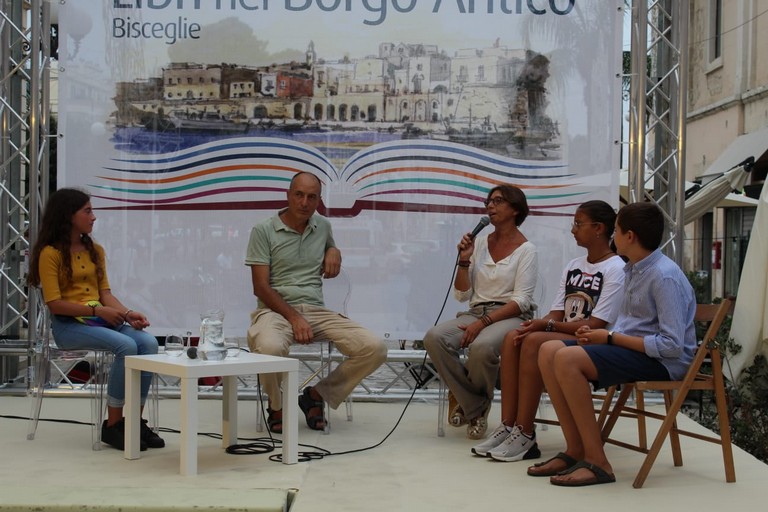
(174, 345)
(233, 347)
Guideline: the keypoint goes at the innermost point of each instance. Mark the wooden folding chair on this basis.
(602, 403)
(675, 393)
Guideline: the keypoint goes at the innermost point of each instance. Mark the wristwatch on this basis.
(550, 325)
(610, 338)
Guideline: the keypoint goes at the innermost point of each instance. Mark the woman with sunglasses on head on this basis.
(497, 275)
(71, 270)
(590, 294)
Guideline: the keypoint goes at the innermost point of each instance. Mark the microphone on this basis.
(484, 221)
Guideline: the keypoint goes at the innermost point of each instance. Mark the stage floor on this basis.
(412, 470)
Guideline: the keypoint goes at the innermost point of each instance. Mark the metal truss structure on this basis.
(658, 98)
(656, 136)
(24, 151)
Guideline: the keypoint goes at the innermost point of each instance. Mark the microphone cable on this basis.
(264, 445)
(269, 444)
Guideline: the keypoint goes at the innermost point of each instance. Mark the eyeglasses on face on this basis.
(496, 201)
(576, 224)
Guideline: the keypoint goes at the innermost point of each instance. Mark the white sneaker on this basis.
(516, 446)
(492, 441)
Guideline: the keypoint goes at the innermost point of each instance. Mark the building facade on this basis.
(727, 111)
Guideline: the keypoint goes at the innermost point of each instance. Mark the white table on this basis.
(189, 370)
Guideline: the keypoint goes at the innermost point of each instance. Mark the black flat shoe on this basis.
(114, 435)
(150, 437)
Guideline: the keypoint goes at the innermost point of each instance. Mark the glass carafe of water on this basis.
(211, 346)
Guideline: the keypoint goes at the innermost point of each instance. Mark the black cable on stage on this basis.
(265, 445)
(166, 430)
(27, 418)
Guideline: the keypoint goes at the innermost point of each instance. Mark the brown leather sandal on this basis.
(536, 469)
(275, 421)
(307, 404)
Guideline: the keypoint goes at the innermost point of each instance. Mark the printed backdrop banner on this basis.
(185, 120)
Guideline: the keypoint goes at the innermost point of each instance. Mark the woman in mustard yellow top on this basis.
(71, 269)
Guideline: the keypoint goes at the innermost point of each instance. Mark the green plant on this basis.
(747, 410)
(747, 398)
(747, 401)
(699, 284)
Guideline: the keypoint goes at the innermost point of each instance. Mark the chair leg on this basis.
(642, 431)
(327, 366)
(348, 400)
(442, 406)
(261, 406)
(156, 399)
(605, 409)
(348, 404)
(610, 422)
(542, 405)
(674, 437)
(661, 435)
(41, 378)
(153, 405)
(98, 383)
(260, 414)
(722, 414)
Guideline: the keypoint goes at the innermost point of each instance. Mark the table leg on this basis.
(188, 465)
(132, 413)
(290, 417)
(229, 412)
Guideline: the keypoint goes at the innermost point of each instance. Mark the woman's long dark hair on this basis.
(56, 230)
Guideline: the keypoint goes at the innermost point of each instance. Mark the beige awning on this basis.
(715, 190)
(732, 200)
(751, 144)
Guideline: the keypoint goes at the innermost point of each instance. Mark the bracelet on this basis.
(93, 310)
(125, 315)
(487, 320)
(463, 263)
(550, 325)
(609, 340)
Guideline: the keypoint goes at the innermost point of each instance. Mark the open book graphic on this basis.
(253, 173)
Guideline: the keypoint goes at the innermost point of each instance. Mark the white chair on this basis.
(53, 365)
